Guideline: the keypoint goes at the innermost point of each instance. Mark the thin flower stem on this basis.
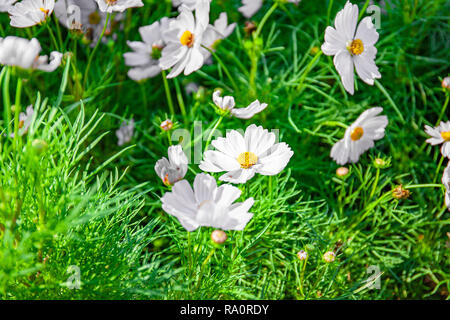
(334, 124)
(308, 68)
(429, 185)
(7, 99)
(168, 96)
(444, 108)
(200, 276)
(91, 56)
(302, 275)
(363, 10)
(386, 94)
(212, 132)
(375, 184)
(17, 111)
(225, 69)
(181, 102)
(264, 19)
(52, 36)
(330, 6)
(436, 174)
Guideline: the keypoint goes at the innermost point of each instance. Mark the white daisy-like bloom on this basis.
(190, 4)
(183, 51)
(174, 169)
(118, 5)
(25, 119)
(352, 50)
(28, 13)
(5, 5)
(227, 103)
(217, 32)
(84, 16)
(125, 133)
(24, 53)
(250, 7)
(144, 59)
(440, 135)
(360, 136)
(207, 205)
(243, 156)
(446, 182)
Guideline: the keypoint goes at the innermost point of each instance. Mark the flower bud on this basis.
(329, 256)
(341, 172)
(302, 255)
(39, 146)
(166, 125)
(218, 236)
(446, 83)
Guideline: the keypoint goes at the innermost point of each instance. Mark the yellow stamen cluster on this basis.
(247, 160)
(445, 135)
(187, 39)
(357, 133)
(111, 2)
(45, 11)
(356, 47)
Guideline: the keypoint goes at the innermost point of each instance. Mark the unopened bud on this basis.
(166, 125)
(39, 146)
(302, 255)
(218, 236)
(342, 171)
(329, 256)
(446, 83)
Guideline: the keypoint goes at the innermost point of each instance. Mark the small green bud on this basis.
(39, 146)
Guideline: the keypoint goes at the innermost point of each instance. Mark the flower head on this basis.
(207, 205)
(189, 4)
(144, 59)
(342, 171)
(24, 53)
(302, 255)
(446, 183)
(250, 7)
(125, 132)
(400, 193)
(440, 135)
(227, 103)
(28, 13)
(118, 5)
(5, 5)
(166, 125)
(243, 156)
(214, 34)
(218, 236)
(360, 136)
(446, 83)
(329, 256)
(25, 119)
(352, 49)
(184, 51)
(174, 169)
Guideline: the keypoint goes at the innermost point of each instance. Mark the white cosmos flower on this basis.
(446, 182)
(360, 136)
(250, 7)
(118, 5)
(174, 169)
(184, 41)
(5, 5)
(227, 104)
(28, 13)
(217, 32)
(207, 205)
(440, 134)
(243, 156)
(190, 4)
(125, 132)
(352, 50)
(144, 59)
(25, 119)
(24, 53)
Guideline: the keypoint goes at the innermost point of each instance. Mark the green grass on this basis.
(83, 201)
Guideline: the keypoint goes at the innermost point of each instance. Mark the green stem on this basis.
(363, 10)
(167, 89)
(52, 36)
(386, 94)
(17, 111)
(7, 100)
(91, 56)
(436, 174)
(308, 68)
(203, 266)
(181, 102)
(330, 5)
(225, 69)
(212, 132)
(444, 108)
(375, 184)
(264, 19)
(302, 275)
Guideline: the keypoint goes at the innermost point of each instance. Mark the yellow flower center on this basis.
(21, 123)
(187, 39)
(445, 135)
(247, 159)
(356, 47)
(357, 133)
(111, 2)
(45, 11)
